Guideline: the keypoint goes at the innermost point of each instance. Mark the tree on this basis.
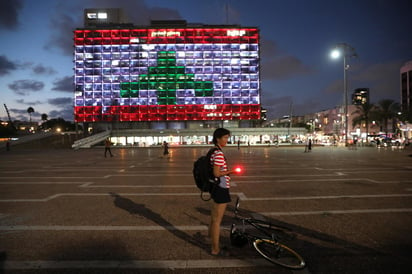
(363, 113)
(387, 109)
(44, 117)
(30, 110)
(58, 123)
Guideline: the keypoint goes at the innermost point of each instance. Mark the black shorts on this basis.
(220, 195)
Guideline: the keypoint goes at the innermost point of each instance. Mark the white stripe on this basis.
(241, 195)
(101, 228)
(326, 212)
(148, 264)
(96, 194)
(328, 197)
(257, 181)
(45, 183)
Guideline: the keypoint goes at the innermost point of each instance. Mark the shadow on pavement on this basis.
(140, 209)
(3, 257)
(325, 253)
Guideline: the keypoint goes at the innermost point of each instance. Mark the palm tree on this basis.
(30, 110)
(387, 109)
(363, 113)
(44, 117)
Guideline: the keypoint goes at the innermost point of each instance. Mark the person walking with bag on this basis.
(220, 194)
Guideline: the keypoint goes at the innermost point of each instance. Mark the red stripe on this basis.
(166, 36)
(166, 113)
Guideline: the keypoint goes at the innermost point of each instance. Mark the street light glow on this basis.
(335, 54)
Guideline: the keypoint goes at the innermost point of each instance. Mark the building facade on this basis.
(360, 96)
(170, 75)
(406, 86)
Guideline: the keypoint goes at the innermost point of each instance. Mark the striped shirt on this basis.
(218, 159)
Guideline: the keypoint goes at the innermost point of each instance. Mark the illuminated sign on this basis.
(166, 74)
(165, 33)
(236, 32)
(98, 15)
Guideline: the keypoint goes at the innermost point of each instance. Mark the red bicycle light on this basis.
(238, 169)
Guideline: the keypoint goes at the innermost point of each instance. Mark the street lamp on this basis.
(344, 50)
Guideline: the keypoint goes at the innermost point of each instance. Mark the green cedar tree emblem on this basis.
(166, 78)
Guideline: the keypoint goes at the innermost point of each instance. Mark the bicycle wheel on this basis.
(278, 253)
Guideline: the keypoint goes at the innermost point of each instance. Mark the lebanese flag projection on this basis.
(167, 74)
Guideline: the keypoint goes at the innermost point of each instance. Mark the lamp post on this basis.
(344, 50)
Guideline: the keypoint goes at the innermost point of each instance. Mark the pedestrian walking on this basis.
(107, 145)
(165, 149)
(308, 145)
(220, 194)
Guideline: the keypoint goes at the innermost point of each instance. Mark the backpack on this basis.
(203, 174)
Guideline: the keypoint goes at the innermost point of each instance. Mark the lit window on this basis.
(91, 15)
(102, 15)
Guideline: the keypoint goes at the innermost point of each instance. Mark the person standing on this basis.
(165, 149)
(107, 145)
(220, 194)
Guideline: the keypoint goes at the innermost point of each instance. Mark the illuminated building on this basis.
(172, 72)
(360, 96)
(406, 86)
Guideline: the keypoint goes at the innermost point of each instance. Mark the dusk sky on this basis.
(297, 36)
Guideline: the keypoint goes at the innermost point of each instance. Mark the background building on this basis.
(360, 96)
(406, 86)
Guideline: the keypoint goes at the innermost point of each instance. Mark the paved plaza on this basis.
(66, 211)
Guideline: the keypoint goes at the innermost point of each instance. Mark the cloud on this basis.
(64, 84)
(23, 115)
(67, 18)
(24, 87)
(269, 49)
(34, 103)
(6, 66)
(63, 110)
(61, 101)
(9, 14)
(277, 106)
(278, 64)
(334, 88)
(280, 106)
(382, 79)
(284, 67)
(164, 14)
(65, 113)
(42, 70)
(63, 26)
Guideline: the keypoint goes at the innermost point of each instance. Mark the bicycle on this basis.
(267, 246)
